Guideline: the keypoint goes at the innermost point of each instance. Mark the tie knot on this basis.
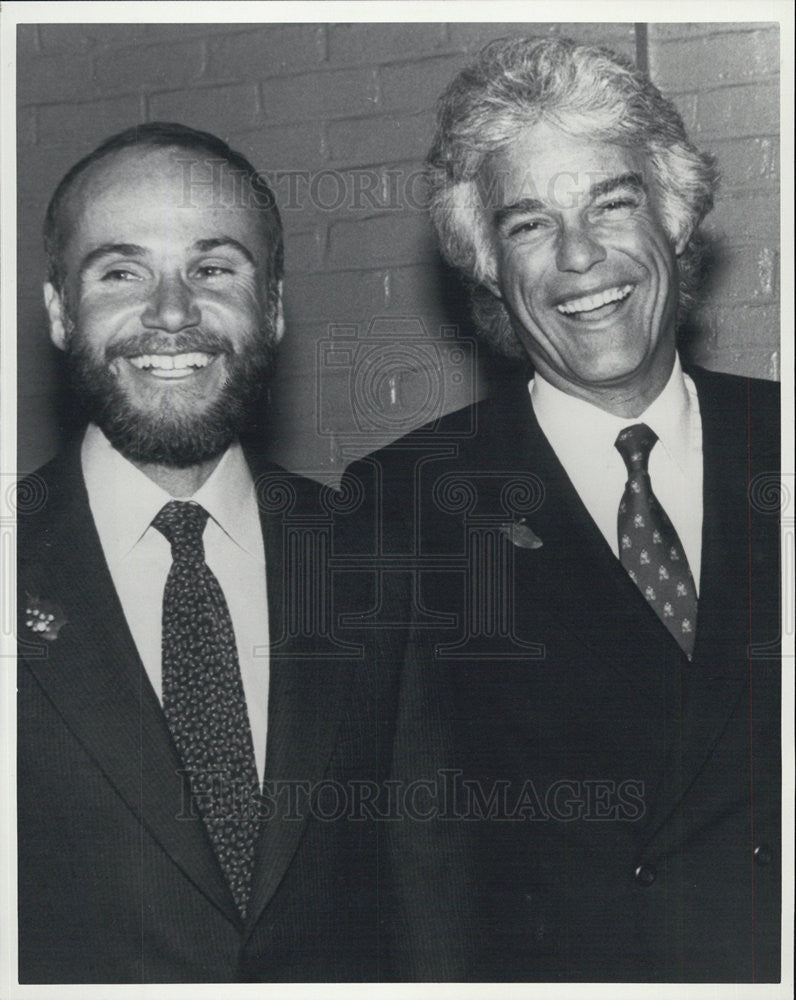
(634, 444)
(183, 523)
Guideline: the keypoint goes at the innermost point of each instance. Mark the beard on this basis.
(180, 435)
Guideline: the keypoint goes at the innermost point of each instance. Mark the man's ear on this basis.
(683, 239)
(54, 305)
(279, 321)
(488, 276)
(487, 269)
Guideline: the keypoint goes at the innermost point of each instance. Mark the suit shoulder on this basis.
(454, 428)
(56, 473)
(740, 390)
(383, 484)
(42, 497)
(743, 410)
(282, 491)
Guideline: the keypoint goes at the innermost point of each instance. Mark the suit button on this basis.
(645, 874)
(763, 855)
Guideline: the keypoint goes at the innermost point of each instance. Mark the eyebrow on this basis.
(628, 180)
(597, 190)
(205, 246)
(134, 250)
(517, 208)
(109, 250)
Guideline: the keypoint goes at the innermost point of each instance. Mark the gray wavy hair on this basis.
(584, 90)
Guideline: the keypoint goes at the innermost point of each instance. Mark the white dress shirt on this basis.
(123, 503)
(582, 436)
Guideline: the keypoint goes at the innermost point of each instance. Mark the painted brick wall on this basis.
(340, 116)
(725, 81)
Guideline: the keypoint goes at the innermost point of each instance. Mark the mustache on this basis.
(184, 342)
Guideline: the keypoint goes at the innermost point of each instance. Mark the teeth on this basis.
(171, 362)
(589, 302)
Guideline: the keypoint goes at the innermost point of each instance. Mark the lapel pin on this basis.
(45, 618)
(521, 535)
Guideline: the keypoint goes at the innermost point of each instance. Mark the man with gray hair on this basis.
(612, 680)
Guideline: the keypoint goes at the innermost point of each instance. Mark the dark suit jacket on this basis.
(619, 804)
(117, 879)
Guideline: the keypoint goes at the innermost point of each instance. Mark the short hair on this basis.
(584, 90)
(165, 135)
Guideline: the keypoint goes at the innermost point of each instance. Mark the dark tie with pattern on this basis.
(203, 697)
(649, 546)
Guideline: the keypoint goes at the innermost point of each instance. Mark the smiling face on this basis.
(584, 267)
(164, 312)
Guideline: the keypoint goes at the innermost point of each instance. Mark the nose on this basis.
(578, 249)
(171, 307)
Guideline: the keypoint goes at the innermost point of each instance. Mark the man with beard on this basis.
(600, 542)
(173, 719)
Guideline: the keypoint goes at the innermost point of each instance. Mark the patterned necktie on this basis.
(649, 547)
(203, 697)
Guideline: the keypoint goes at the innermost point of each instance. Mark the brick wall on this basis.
(725, 81)
(341, 116)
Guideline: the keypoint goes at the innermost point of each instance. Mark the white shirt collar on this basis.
(124, 500)
(229, 498)
(669, 415)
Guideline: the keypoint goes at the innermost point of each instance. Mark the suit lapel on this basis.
(715, 680)
(574, 580)
(691, 701)
(94, 677)
(309, 676)
(725, 533)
